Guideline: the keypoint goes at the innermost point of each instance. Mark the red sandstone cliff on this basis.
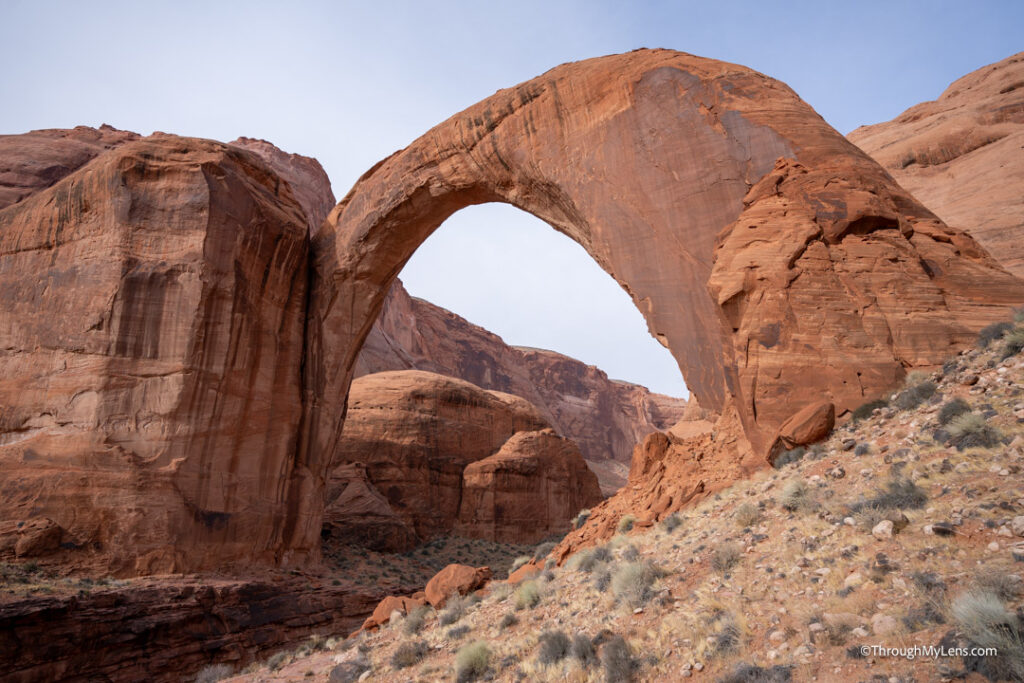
(961, 156)
(605, 418)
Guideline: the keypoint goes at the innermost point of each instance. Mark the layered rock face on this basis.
(423, 454)
(605, 418)
(779, 263)
(527, 491)
(150, 350)
(960, 155)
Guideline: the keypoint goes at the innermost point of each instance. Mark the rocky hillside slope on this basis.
(605, 418)
(904, 529)
(961, 156)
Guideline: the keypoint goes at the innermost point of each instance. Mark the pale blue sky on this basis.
(351, 82)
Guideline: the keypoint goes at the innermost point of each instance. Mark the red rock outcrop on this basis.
(780, 264)
(960, 155)
(150, 348)
(168, 629)
(455, 578)
(388, 606)
(604, 417)
(409, 465)
(35, 161)
(309, 183)
(527, 491)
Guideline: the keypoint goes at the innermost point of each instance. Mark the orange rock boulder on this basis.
(455, 579)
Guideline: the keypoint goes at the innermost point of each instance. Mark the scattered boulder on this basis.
(455, 578)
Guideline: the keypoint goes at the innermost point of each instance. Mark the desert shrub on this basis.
(867, 409)
(581, 518)
(631, 583)
(454, 609)
(897, 494)
(602, 577)
(915, 394)
(617, 660)
(625, 524)
(795, 495)
(1013, 343)
(554, 647)
(986, 622)
(582, 649)
(527, 595)
(457, 632)
(413, 621)
(471, 661)
(508, 620)
(867, 516)
(992, 332)
(787, 457)
(725, 557)
(214, 673)
(672, 522)
(518, 562)
(1018, 315)
(862, 448)
(543, 550)
(630, 553)
(589, 559)
(1004, 585)
(277, 660)
(970, 430)
(952, 409)
(408, 653)
(751, 673)
(747, 514)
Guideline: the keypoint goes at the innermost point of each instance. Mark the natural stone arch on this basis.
(705, 189)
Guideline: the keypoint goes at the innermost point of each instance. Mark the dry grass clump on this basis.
(672, 522)
(582, 650)
(971, 430)
(631, 583)
(796, 495)
(581, 518)
(897, 494)
(408, 653)
(747, 514)
(725, 557)
(1013, 343)
(214, 673)
(916, 393)
(986, 622)
(508, 620)
(751, 673)
(454, 609)
(528, 595)
(625, 524)
(866, 410)
(518, 562)
(788, 457)
(471, 661)
(993, 332)
(1004, 585)
(589, 559)
(952, 409)
(617, 660)
(554, 647)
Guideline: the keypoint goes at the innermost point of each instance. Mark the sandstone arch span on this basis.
(779, 264)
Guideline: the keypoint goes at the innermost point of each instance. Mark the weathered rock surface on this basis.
(605, 418)
(778, 262)
(455, 578)
(960, 155)
(527, 491)
(151, 338)
(405, 470)
(167, 629)
(309, 183)
(35, 161)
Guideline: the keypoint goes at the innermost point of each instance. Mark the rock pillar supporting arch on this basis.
(779, 264)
